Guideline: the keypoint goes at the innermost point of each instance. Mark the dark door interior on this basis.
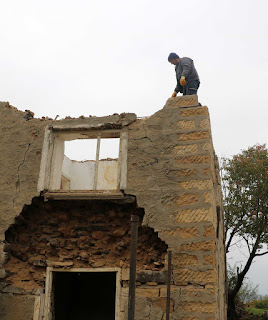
(84, 295)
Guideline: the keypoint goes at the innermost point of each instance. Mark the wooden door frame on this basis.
(47, 315)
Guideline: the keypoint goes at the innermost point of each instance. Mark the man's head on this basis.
(173, 58)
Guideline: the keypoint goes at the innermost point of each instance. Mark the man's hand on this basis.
(182, 81)
(174, 94)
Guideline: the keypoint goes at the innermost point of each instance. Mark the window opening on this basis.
(81, 149)
(109, 148)
(91, 164)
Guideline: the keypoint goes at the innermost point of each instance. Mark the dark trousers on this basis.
(191, 87)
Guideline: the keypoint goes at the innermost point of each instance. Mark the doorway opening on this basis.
(84, 295)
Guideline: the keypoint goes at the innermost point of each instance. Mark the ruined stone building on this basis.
(66, 224)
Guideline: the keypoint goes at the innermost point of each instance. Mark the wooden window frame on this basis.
(53, 155)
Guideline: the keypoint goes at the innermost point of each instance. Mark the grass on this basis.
(256, 311)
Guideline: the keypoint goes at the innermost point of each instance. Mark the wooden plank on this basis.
(86, 270)
(42, 307)
(48, 294)
(97, 163)
(84, 195)
(45, 160)
(82, 191)
(57, 162)
(72, 133)
(118, 293)
(37, 303)
(119, 164)
(123, 169)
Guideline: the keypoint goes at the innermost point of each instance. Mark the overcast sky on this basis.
(102, 57)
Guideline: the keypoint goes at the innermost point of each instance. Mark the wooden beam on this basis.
(97, 163)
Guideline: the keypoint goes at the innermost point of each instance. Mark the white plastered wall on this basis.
(81, 174)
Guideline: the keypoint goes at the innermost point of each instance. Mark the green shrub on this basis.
(262, 304)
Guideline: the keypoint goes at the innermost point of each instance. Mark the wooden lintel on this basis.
(80, 195)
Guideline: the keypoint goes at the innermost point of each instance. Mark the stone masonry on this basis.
(173, 185)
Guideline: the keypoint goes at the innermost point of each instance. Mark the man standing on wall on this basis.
(186, 74)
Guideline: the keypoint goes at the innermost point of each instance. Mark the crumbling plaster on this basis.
(20, 155)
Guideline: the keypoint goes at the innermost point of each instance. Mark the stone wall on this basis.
(78, 234)
(173, 174)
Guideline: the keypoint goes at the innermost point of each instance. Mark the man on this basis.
(186, 74)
